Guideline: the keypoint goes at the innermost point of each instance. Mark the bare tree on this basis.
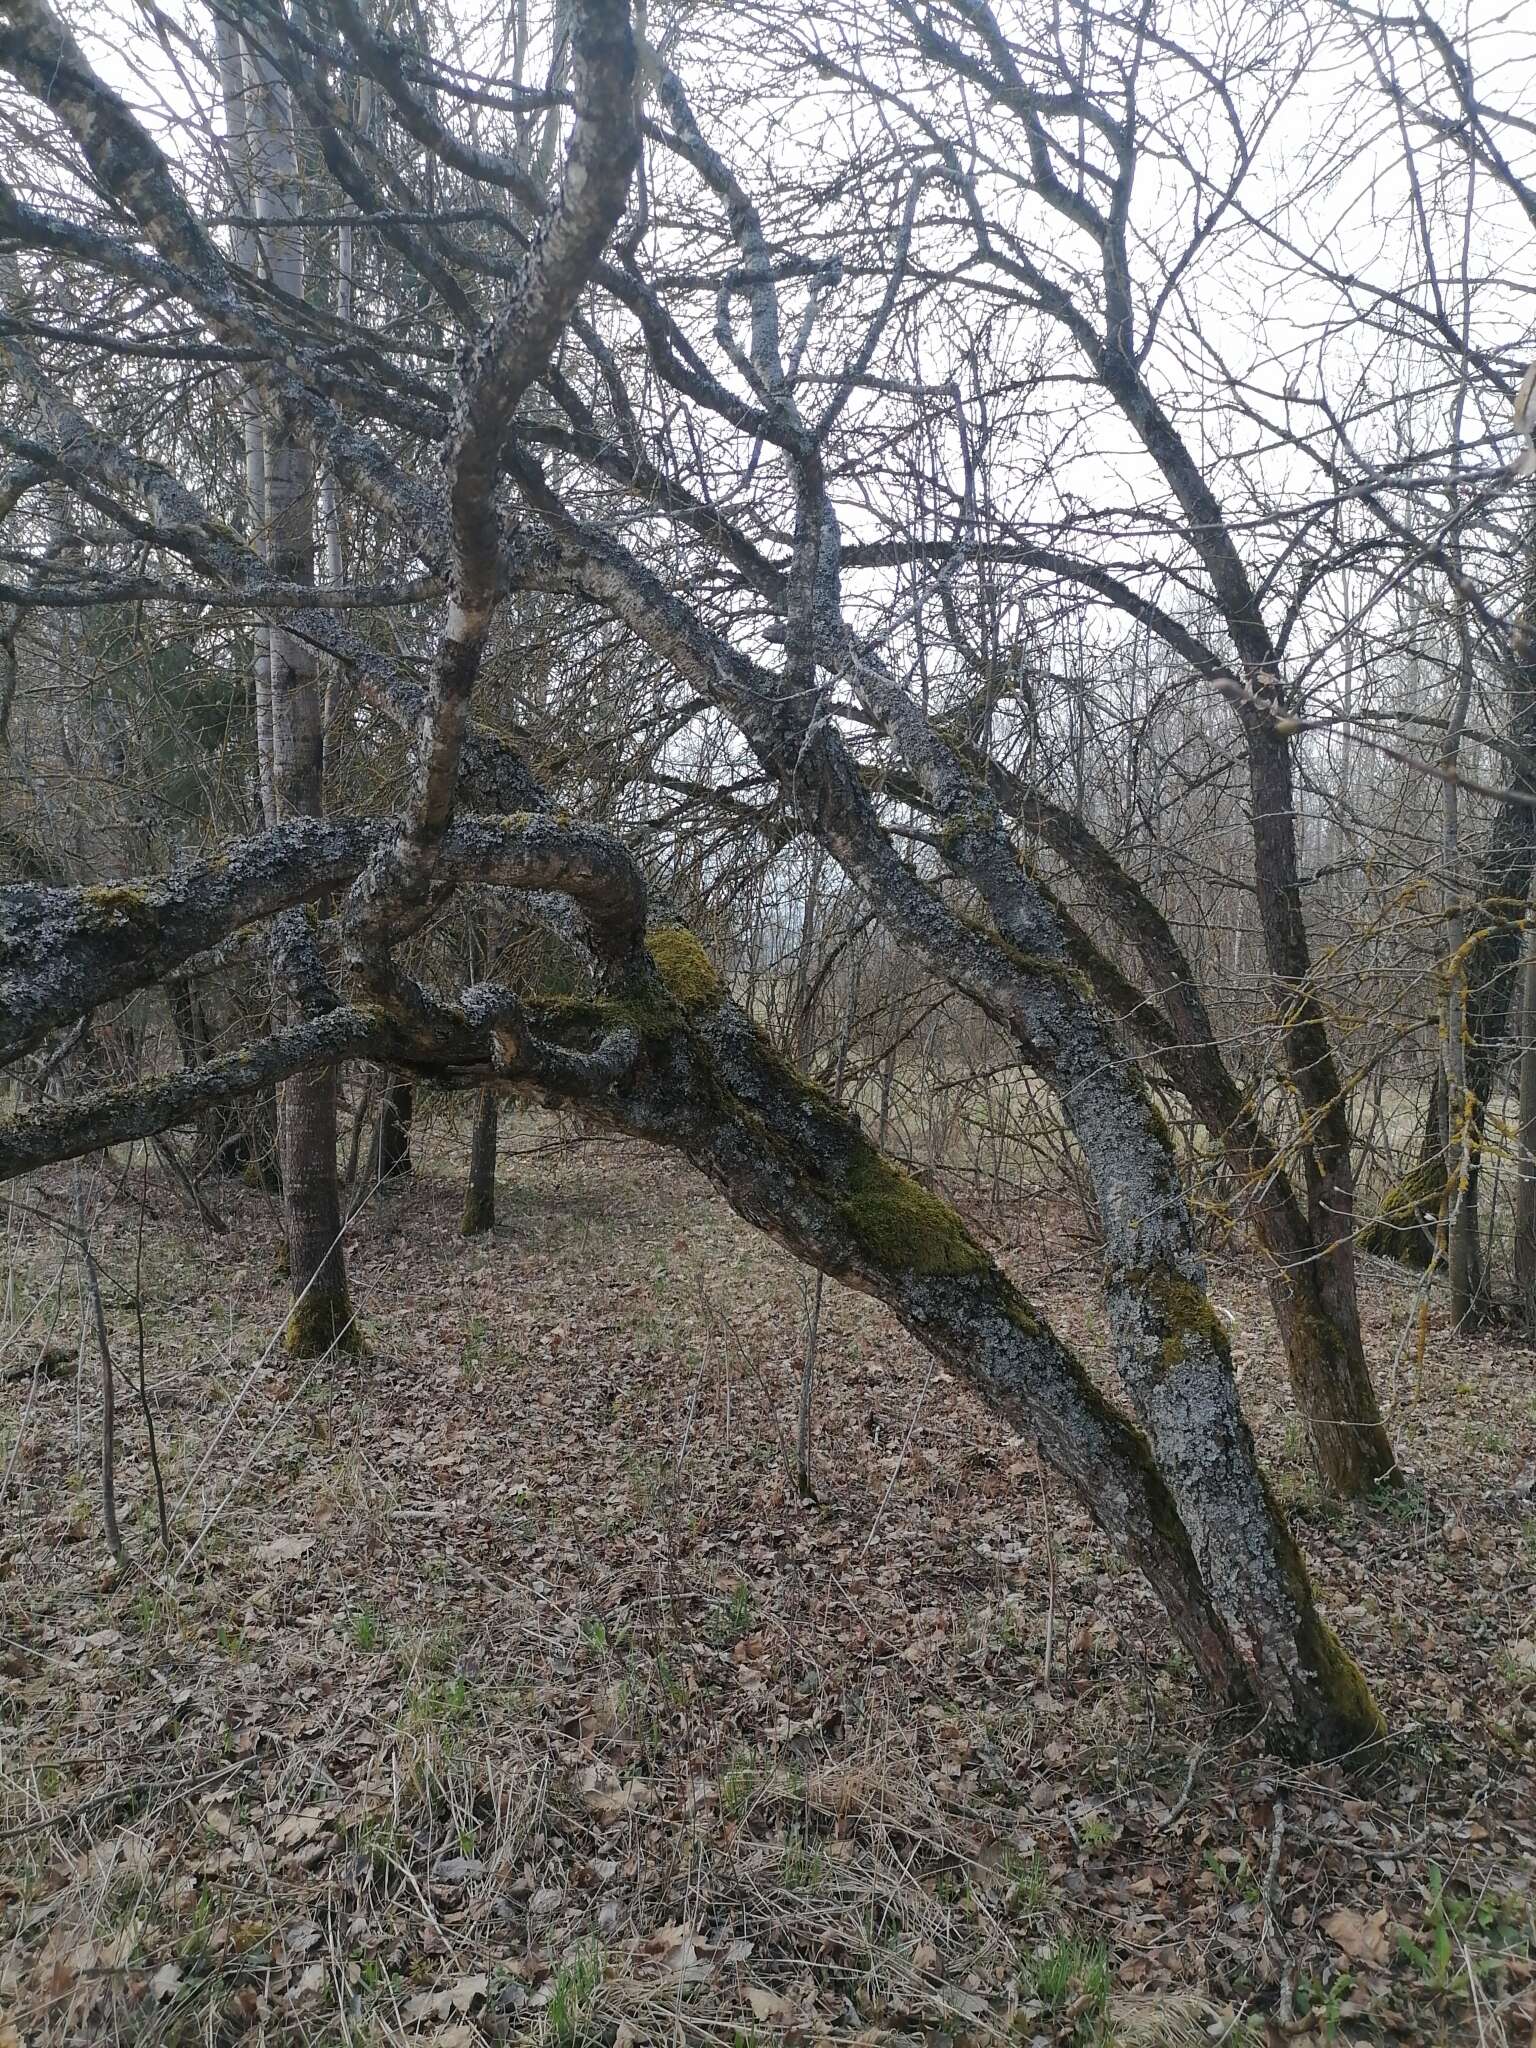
(673, 484)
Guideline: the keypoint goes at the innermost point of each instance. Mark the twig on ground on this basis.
(1271, 1943)
(148, 1413)
(1050, 1570)
(1181, 1804)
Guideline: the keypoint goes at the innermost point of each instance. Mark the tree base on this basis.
(321, 1323)
(1407, 1222)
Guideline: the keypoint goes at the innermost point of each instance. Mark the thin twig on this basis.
(1272, 1945)
(1180, 1805)
(917, 1409)
(149, 1419)
(1050, 1569)
(108, 1394)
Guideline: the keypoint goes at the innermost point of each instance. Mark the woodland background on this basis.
(769, 1010)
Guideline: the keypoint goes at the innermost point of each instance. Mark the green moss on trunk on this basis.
(321, 1323)
(1406, 1223)
(1343, 1711)
(901, 1226)
(1183, 1312)
(685, 967)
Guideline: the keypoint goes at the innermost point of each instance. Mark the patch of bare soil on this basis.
(499, 1687)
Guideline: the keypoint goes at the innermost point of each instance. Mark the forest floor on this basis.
(500, 1687)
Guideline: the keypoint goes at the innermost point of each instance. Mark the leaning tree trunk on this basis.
(793, 1162)
(1320, 1330)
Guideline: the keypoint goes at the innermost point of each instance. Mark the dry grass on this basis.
(499, 1687)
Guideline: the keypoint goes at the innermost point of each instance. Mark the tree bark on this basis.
(322, 1311)
(1319, 1325)
(1525, 1190)
(480, 1189)
(392, 1146)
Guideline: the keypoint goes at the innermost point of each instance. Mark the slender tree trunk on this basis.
(392, 1147)
(887, 1084)
(1525, 1192)
(803, 1419)
(1462, 1265)
(108, 1389)
(802, 1018)
(322, 1309)
(220, 1142)
(235, 93)
(480, 1190)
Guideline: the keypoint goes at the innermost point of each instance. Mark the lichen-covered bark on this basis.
(658, 1049)
(321, 1315)
(111, 1116)
(1020, 974)
(65, 951)
(1319, 1324)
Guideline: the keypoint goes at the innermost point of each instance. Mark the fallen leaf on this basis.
(1362, 1939)
(298, 1827)
(459, 1997)
(166, 1982)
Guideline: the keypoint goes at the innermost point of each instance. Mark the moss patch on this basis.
(119, 904)
(1186, 1316)
(321, 1323)
(652, 1017)
(1039, 966)
(901, 1226)
(974, 818)
(1351, 1716)
(685, 967)
(1017, 1310)
(1405, 1225)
